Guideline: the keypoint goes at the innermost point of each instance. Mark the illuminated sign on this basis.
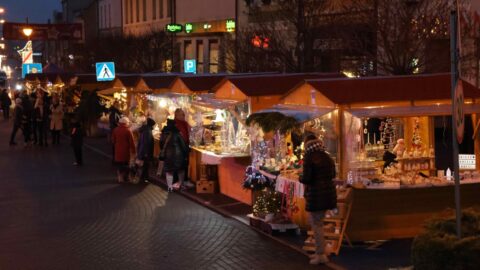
(190, 66)
(188, 28)
(207, 26)
(230, 25)
(174, 28)
(467, 162)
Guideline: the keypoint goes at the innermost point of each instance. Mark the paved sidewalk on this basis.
(57, 216)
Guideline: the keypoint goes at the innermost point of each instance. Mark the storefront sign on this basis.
(64, 31)
(458, 111)
(467, 162)
(230, 25)
(31, 68)
(174, 28)
(188, 28)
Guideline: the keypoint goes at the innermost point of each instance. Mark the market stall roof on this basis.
(271, 84)
(201, 83)
(89, 82)
(390, 89)
(129, 80)
(156, 81)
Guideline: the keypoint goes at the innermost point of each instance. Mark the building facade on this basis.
(110, 17)
(143, 17)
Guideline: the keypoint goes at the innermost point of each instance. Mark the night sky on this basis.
(37, 11)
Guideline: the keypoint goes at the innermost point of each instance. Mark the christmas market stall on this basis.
(395, 150)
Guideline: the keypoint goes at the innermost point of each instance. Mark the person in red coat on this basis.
(122, 139)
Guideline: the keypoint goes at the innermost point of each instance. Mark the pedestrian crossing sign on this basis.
(105, 71)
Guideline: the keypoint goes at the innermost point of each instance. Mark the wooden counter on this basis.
(231, 172)
(400, 213)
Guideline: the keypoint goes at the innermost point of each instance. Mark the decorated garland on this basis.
(273, 121)
(254, 180)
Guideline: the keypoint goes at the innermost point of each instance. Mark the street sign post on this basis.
(105, 71)
(190, 66)
(459, 113)
(31, 68)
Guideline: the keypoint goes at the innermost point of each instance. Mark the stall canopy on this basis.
(157, 83)
(393, 96)
(263, 90)
(190, 84)
(89, 82)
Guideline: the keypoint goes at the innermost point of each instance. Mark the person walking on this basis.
(5, 103)
(145, 147)
(173, 152)
(320, 193)
(113, 117)
(27, 118)
(56, 119)
(77, 142)
(39, 119)
(184, 129)
(17, 120)
(122, 139)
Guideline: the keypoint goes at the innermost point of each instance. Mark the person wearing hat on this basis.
(145, 147)
(124, 146)
(320, 193)
(17, 120)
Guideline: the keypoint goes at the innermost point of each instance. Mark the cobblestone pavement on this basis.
(57, 216)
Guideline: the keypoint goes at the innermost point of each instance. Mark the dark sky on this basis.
(37, 11)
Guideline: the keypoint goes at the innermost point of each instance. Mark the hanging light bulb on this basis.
(162, 103)
(219, 116)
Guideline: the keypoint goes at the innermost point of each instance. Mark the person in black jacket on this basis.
(320, 193)
(145, 147)
(5, 103)
(173, 152)
(17, 120)
(114, 116)
(77, 142)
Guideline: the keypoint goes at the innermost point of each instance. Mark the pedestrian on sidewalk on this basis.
(27, 118)
(17, 120)
(122, 139)
(114, 116)
(173, 152)
(39, 119)
(56, 119)
(77, 141)
(184, 129)
(5, 103)
(320, 193)
(145, 147)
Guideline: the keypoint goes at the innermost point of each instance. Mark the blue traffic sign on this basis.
(190, 66)
(105, 71)
(31, 68)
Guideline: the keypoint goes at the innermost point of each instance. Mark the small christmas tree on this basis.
(269, 201)
(416, 138)
(389, 133)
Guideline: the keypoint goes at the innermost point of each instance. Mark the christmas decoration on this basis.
(416, 138)
(254, 180)
(273, 121)
(268, 201)
(388, 133)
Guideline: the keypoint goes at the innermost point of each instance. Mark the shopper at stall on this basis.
(77, 142)
(145, 147)
(173, 152)
(114, 115)
(5, 103)
(320, 193)
(184, 129)
(56, 119)
(17, 120)
(40, 122)
(122, 139)
(27, 118)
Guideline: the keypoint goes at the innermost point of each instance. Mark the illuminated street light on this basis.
(2, 10)
(2, 21)
(27, 31)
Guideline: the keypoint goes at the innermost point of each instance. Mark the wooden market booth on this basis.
(419, 106)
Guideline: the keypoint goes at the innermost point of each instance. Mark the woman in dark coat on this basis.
(173, 151)
(145, 147)
(320, 193)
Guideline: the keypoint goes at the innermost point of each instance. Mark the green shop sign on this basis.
(230, 25)
(174, 28)
(188, 28)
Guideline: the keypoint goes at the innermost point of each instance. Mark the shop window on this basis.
(200, 56)
(144, 6)
(154, 9)
(161, 8)
(188, 49)
(169, 8)
(131, 11)
(137, 10)
(213, 50)
(109, 16)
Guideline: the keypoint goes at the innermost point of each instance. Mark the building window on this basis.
(188, 49)
(154, 10)
(109, 16)
(138, 10)
(161, 8)
(169, 8)
(213, 50)
(144, 5)
(131, 11)
(100, 19)
(200, 56)
(125, 15)
(104, 16)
